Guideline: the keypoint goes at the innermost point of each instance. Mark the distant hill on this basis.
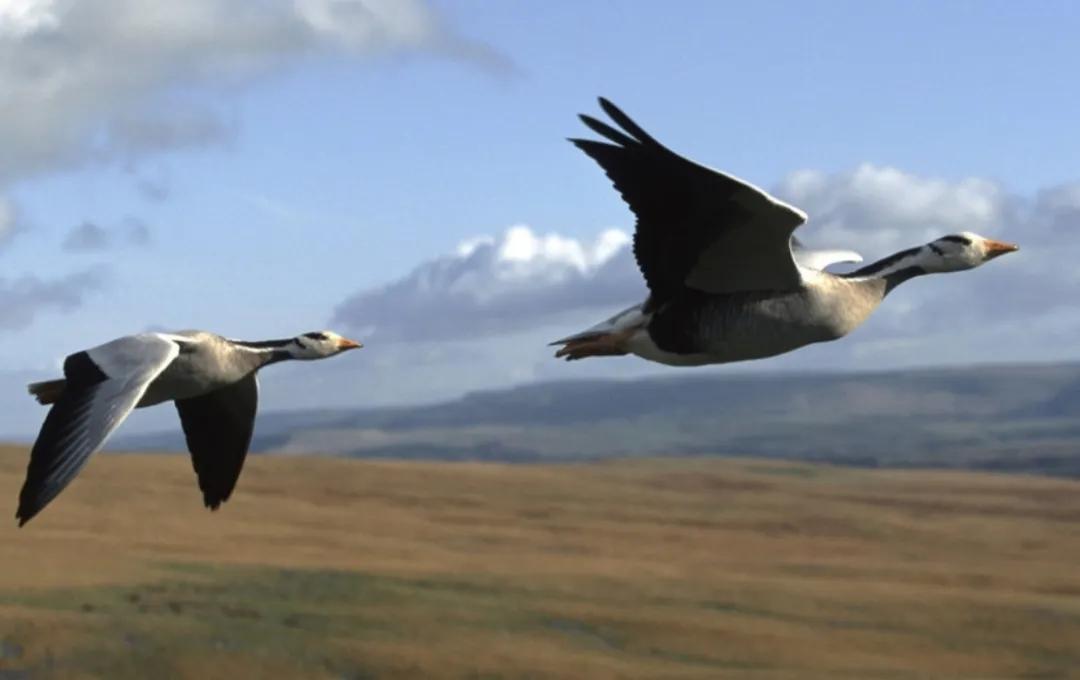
(1018, 418)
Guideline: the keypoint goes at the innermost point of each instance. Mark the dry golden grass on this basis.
(627, 569)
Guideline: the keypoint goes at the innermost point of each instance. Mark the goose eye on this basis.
(316, 336)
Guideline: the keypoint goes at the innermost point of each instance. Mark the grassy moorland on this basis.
(682, 568)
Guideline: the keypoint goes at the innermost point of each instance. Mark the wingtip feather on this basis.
(604, 130)
(625, 122)
(24, 515)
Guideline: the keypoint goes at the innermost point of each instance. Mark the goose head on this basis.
(957, 252)
(319, 345)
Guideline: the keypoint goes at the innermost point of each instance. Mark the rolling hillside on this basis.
(1013, 418)
(673, 568)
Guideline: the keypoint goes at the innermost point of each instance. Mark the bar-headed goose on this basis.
(727, 282)
(211, 379)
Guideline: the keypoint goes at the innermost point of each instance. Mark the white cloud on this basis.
(492, 285)
(879, 210)
(117, 79)
(353, 25)
(882, 209)
(20, 17)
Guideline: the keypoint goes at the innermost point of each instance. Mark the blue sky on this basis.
(290, 158)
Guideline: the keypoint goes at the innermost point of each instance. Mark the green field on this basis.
(681, 568)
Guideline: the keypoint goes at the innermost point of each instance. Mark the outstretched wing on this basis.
(218, 427)
(696, 226)
(103, 384)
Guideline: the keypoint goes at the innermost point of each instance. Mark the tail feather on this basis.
(606, 345)
(605, 339)
(47, 392)
(578, 337)
(631, 317)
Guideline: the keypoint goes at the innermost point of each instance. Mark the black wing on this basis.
(102, 386)
(696, 226)
(218, 427)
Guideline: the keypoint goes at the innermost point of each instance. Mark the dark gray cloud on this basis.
(136, 232)
(154, 188)
(521, 281)
(23, 298)
(89, 237)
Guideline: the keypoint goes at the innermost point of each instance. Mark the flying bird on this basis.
(727, 280)
(210, 378)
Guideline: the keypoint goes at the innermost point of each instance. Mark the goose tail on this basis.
(607, 338)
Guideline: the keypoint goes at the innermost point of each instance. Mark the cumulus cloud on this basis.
(495, 285)
(115, 79)
(118, 81)
(883, 209)
(879, 210)
(522, 280)
(22, 299)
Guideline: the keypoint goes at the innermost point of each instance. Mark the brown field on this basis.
(630, 569)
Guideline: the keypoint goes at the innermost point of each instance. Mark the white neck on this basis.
(264, 352)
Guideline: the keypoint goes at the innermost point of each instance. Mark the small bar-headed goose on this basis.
(211, 379)
(727, 280)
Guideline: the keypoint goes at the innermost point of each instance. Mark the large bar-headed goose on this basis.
(211, 379)
(727, 281)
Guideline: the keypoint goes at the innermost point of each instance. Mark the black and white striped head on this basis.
(957, 252)
(319, 345)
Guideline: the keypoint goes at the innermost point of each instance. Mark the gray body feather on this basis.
(205, 364)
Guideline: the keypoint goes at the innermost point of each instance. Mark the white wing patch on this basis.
(132, 356)
(820, 259)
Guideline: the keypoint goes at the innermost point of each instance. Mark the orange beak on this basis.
(346, 343)
(995, 248)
